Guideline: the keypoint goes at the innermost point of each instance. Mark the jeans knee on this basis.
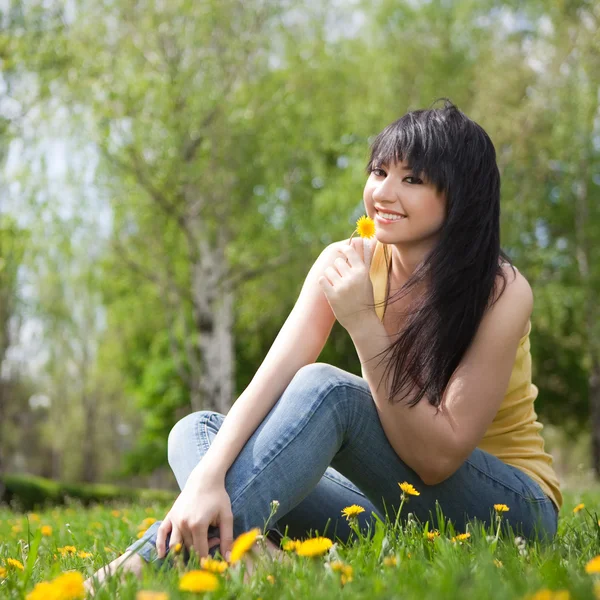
(316, 373)
(183, 434)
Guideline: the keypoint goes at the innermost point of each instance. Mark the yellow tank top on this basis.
(514, 435)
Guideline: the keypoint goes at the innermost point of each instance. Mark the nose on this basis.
(384, 191)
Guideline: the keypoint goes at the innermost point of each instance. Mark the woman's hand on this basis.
(202, 502)
(347, 285)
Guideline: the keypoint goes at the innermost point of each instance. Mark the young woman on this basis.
(441, 323)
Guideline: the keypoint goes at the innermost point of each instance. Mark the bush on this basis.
(28, 492)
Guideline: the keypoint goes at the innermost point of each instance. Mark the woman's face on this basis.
(395, 188)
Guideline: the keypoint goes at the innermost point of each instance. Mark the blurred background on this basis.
(170, 170)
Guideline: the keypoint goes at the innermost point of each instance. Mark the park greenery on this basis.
(56, 548)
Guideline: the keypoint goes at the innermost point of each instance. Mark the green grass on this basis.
(424, 569)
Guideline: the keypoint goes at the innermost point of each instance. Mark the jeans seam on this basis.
(203, 444)
(344, 485)
(288, 442)
(504, 484)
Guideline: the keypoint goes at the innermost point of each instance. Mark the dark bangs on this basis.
(427, 140)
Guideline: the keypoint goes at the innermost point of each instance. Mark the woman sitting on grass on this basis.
(450, 406)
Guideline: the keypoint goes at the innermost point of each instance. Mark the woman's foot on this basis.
(130, 562)
(274, 551)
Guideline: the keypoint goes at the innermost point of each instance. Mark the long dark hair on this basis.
(457, 156)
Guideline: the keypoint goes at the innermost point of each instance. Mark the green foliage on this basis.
(248, 125)
(29, 492)
(380, 563)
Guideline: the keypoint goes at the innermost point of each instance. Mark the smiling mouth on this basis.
(390, 217)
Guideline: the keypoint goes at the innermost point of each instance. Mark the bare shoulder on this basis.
(516, 299)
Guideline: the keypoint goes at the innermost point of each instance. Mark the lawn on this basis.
(407, 562)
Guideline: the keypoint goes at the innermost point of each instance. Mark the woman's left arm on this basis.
(435, 443)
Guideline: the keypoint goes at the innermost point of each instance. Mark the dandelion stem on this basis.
(399, 511)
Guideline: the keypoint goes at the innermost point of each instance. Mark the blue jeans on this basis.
(322, 448)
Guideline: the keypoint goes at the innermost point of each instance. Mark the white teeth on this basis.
(391, 217)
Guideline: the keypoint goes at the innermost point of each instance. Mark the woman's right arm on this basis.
(299, 343)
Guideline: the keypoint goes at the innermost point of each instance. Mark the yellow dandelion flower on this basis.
(461, 537)
(498, 563)
(148, 595)
(243, 543)
(352, 512)
(593, 566)
(501, 508)
(15, 564)
(431, 535)
(198, 581)
(390, 561)
(43, 591)
(2, 573)
(33, 517)
(115, 513)
(70, 585)
(546, 594)
(83, 554)
(338, 565)
(67, 550)
(46, 530)
(314, 546)
(408, 488)
(365, 226)
(271, 579)
(16, 528)
(176, 549)
(213, 565)
(147, 522)
(578, 508)
(291, 545)
(141, 533)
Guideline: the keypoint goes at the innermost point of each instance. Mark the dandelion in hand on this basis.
(365, 227)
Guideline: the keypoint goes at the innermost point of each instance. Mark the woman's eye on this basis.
(378, 172)
(416, 179)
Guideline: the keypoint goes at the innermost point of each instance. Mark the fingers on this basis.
(226, 533)
(200, 539)
(161, 536)
(351, 255)
(176, 538)
(187, 536)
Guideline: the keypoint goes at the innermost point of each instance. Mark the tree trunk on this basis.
(89, 466)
